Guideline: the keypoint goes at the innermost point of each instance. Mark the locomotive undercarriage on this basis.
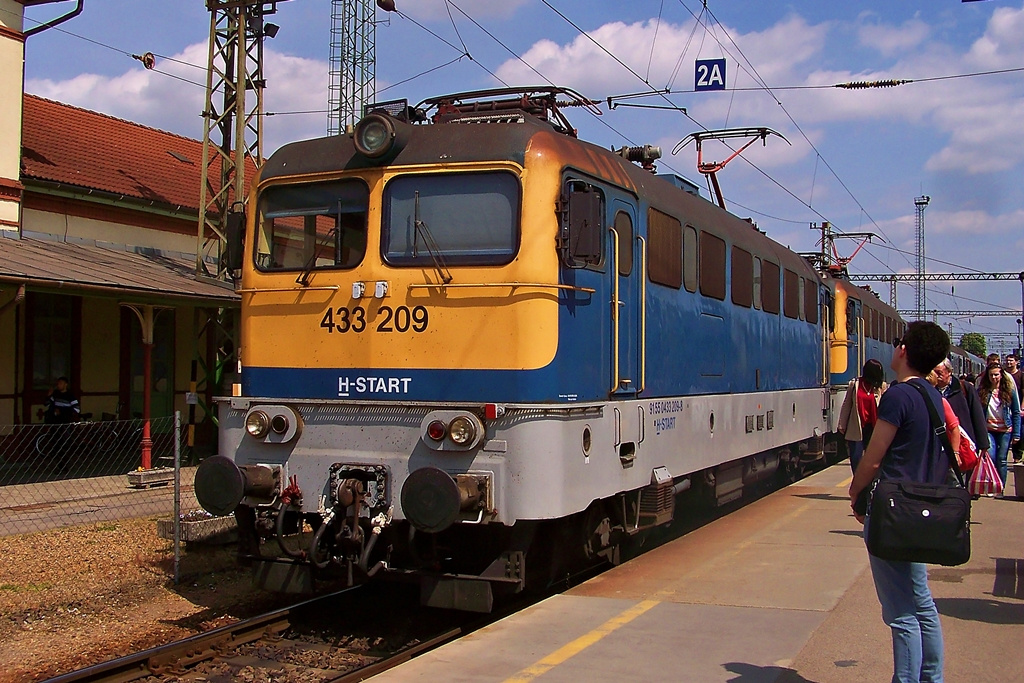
(468, 566)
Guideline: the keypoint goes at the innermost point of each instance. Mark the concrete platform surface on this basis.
(779, 591)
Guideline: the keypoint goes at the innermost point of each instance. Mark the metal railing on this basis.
(54, 476)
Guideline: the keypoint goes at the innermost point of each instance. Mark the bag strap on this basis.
(939, 427)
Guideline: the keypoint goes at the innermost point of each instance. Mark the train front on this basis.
(393, 305)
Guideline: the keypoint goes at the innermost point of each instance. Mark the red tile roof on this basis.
(86, 149)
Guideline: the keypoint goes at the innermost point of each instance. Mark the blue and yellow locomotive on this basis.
(476, 348)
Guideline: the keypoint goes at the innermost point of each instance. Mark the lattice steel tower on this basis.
(920, 203)
(352, 84)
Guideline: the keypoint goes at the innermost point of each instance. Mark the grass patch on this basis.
(28, 587)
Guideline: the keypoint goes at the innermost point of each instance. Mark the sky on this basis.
(854, 157)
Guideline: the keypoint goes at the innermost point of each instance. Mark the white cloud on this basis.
(174, 100)
(889, 40)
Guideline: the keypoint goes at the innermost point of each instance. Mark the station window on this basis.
(770, 287)
(690, 258)
(624, 229)
(742, 277)
(791, 294)
(665, 260)
(811, 301)
(711, 263)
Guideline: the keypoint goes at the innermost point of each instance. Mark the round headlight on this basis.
(462, 430)
(279, 423)
(436, 430)
(374, 135)
(257, 423)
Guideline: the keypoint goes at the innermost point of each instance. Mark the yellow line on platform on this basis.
(845, 483)
(583, 642)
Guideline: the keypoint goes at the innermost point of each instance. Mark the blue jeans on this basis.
(856, 451)
(1000, 443)
(909, 611)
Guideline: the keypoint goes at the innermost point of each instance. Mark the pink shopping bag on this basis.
(985, 478)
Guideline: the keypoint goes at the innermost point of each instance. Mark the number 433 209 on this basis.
(388, 319)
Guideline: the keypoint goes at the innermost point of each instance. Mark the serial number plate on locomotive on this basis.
(386, 319)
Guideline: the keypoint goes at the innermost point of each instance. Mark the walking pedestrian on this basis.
(1002, 412)
(860, 409)
(963, 399)
(1017, 375)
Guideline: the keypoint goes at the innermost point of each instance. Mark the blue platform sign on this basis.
(709, 74)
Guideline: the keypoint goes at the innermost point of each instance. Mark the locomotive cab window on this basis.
(314, 226)
(581, 233)
(453, 218)
(624, 229)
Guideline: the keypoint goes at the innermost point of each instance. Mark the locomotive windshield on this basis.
(306, 227)
(459, 218)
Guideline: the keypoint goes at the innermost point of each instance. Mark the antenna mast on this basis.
(920, 203)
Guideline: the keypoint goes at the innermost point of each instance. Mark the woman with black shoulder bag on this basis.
(907, 448)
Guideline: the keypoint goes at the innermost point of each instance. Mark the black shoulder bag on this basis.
(913, 522)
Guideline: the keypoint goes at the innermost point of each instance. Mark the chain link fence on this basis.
(54, 476)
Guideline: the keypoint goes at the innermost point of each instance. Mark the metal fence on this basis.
(55, 476)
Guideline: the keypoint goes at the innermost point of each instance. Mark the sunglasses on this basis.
(897, 342)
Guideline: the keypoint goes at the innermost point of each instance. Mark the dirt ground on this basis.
(78, 596)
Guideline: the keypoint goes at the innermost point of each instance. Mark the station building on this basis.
(98, 243)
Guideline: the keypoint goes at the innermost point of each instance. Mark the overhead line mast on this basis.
(352, 82)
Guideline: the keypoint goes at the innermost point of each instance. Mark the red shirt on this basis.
(866, 406)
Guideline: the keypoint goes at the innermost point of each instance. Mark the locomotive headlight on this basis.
(462, 430)
(374, 135)
(257, 423)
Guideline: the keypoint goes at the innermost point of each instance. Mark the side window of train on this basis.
(742, 277)
(757, 283)
(711, 263)
(581, 209)
(624, 228)
(791, 294)
(851, 317)
(690, 258)
(811, 301)
(665, 252)
(770, 274)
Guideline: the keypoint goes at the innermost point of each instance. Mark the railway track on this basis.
(299, 643)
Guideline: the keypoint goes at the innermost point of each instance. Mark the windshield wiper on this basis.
(421, 228)
(307, 267)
